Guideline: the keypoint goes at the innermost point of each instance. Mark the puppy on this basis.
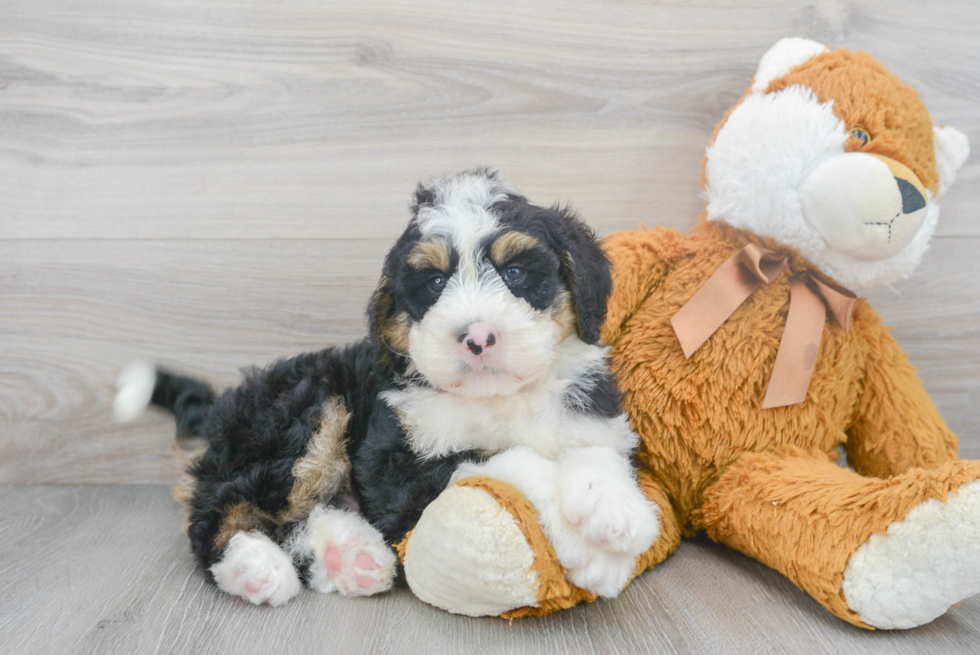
(482, 359)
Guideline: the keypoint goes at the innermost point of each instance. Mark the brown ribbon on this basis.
(810, 298)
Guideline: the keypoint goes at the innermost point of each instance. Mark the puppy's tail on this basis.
(142, 384)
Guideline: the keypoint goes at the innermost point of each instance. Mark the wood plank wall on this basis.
(214, 184)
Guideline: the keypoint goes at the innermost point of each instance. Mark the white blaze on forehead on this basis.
(461, 210)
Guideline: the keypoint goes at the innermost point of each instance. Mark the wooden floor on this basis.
(104, 569)
(214, 184)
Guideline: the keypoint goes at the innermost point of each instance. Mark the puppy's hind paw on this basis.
(255, 568)
(349, 555)
(359, 569)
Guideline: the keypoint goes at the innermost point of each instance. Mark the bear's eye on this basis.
(861, 135)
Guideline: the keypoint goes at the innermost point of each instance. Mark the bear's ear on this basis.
(787, 54)
(952, 149)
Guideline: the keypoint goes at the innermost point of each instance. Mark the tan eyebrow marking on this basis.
(509, 244)
(429, 254)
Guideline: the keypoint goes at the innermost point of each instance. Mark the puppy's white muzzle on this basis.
(480, 340)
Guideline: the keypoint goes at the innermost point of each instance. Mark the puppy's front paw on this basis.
(617, 520)
(602, 499)
(590, 567)
(256, 569)
(606, 574)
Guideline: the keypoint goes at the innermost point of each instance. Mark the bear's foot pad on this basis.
(921, 566)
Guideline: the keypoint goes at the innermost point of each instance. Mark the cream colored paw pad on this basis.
(921, 566)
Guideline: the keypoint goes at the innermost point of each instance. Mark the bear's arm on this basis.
(640, 261)
(896, 425)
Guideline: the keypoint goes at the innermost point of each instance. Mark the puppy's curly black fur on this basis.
(255, 435)
(256, 432)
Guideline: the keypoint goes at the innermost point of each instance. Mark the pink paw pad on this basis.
(333, 561)
(352, 556)
(364, 562)
(254, 587)
(353, 569)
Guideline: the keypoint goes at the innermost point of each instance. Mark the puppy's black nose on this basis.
(474, 348)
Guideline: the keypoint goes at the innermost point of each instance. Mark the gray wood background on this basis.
(213, 184)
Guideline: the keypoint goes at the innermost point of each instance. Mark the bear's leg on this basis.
(480, 550)
(892, 553)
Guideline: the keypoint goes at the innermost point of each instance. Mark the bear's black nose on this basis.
(912, 200)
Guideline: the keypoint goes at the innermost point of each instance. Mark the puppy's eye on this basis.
(861, 135)
(514, 274)
(437, 283)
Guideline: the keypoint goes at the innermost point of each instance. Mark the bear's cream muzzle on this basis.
(867, 206)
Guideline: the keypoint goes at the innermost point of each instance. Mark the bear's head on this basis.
(832, 155)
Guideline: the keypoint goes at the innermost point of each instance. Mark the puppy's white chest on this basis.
(437, 423)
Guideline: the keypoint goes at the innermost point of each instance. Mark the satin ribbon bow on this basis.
(809, 301)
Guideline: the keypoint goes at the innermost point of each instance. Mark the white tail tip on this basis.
(134, 389)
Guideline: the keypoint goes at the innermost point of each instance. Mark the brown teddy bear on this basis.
(745, 362)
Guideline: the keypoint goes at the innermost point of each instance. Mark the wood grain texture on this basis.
(212, 184)
(76, 311)
(106, 570)
(133, 119)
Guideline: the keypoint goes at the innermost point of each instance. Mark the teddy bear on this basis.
(746, 359)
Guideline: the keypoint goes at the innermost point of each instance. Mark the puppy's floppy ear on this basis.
(424, 195)
(586, 271)
(379, 313)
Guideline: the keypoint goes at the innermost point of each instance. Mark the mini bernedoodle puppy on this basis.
(482, 359)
